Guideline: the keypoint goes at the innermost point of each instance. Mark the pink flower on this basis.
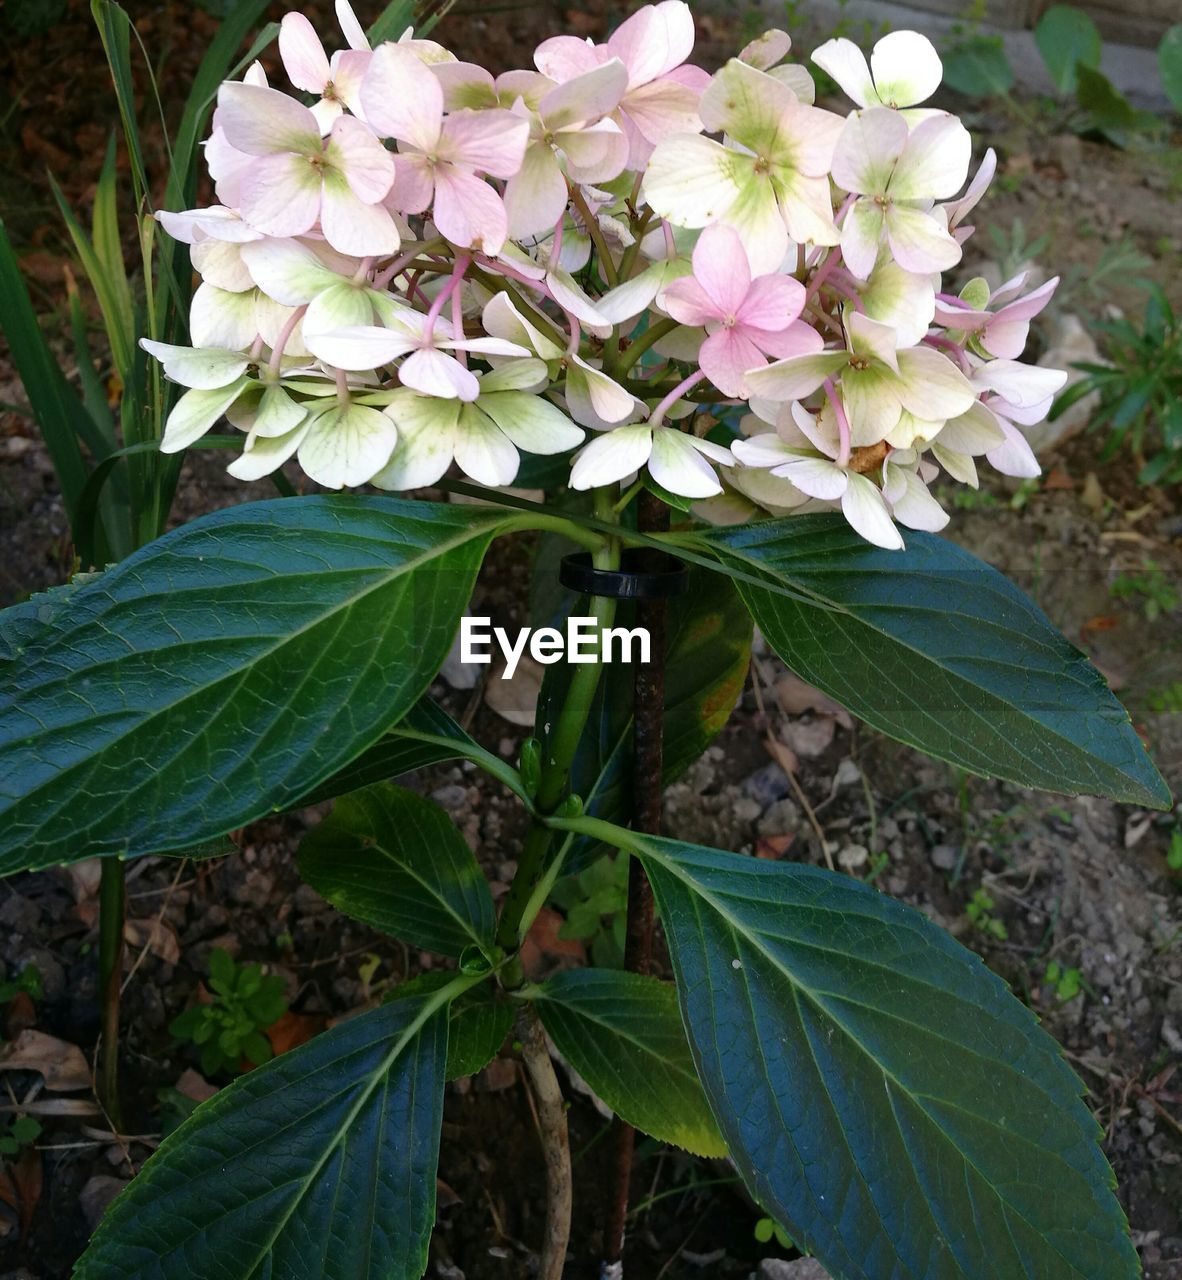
(745, 320)
(295, 179)
(440, 157)
(336, 82)
(662, 94)
(1002, 332)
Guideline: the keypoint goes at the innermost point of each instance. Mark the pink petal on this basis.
(347, 71)
(564, 57)
(773, 302)
(468, 211)
(589, 96)
(798, 339)
(402, 99)
(595, 154)
(688, 303)
(1015, 457)
(536, 196)
(355, 226)
(726, 356)
(861, 234)
(361, 159)
(262, 121)
(654, 40)
(662, 108)
(1028, 307)
(281, 195)
(302, 54)
(492, 142)
(414, 183)
(722, 269)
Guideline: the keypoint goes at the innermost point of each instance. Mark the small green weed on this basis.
(21, 1131)
(245, 1002)
(595, 901)
(1156, 593)
(979, 910)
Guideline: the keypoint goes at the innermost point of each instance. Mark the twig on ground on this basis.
(552, 1129)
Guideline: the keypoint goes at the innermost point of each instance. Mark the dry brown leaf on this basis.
(796, 697)
(20, 1186)
(542, 945)
(774, 848)
(84, 878)
(293, 1030)
(192, 1084)
(21, 1015)
(62, 1065)
(160, 938)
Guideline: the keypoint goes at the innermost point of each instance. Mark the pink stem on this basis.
(457, 323)
(936, 340)
(843, 423)
(831, 263)
(284, 334)
(670, 243)
(556, 241)
(576, 332)
(441, 298)
(655, 418)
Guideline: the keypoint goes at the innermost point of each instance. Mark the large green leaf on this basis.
(708, 648)
(478, 1021)
(318, 1166)
(881, 1091)
(226, 670)
(1067, 37)
(623, 1034)
(394, 859)
(426, 735)
(935, 648)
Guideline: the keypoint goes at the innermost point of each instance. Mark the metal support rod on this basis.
(648, 712)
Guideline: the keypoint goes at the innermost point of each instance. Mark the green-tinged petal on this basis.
(807, 208)
(266, 454)
(902, 299)
(532, 423)
(337, 307)
(271, 413)
(483, 451)
(797, 376)
(514, 375)
(861, 235)
(931, 386)
(757, 217)
(291, 272)
(346, 445)
(872, 340)
(426, 440)
(918, 242)
(196, 412)
(224, 320)
(692, 181)
(202, 368)
(871, 400)
(911, 431)
(747, 105)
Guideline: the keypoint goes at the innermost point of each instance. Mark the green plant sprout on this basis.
(229, 1029)
(1068, 982)
(595, 901)
(20, 1131)
(979, 910)
(1156, 593)
(27, 981)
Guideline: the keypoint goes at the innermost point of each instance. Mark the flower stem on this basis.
(112, 910)
(655, 418)
(596, 234)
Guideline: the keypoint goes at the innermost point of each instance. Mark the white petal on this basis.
(288, 271)
(262, 122)
(532, 423)
(483, 451)
(266, 454)
(514, 375)
(906, 68)
(818, 477)
(863, 506)
(221, 319)
(844, 62)
(611, 457)
(221, 263)
(434, 373)
(198, 367)
(914, 506)
(676, 465)
(797, 376)
(931, 386)
(195, 413)
(690, 180)
(347, 445)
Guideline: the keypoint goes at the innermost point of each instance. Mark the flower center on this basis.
(762, 165)
(859, 363)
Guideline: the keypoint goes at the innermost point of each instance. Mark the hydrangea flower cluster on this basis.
(613, 256)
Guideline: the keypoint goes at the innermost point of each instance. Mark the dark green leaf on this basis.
(1067, 38)
(426, 735)
(1109, 109)
(622, 1033)
(935, 648)
(1169, 61)
(882, 1093)
(978, 67)
(393, 859)
(226, 670)
(318, 1166)
(479, 1021)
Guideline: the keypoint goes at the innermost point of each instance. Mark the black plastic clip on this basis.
(644, 574)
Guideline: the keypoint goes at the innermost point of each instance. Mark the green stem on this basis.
(650, 337)
(112, 911)
(522, 901)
